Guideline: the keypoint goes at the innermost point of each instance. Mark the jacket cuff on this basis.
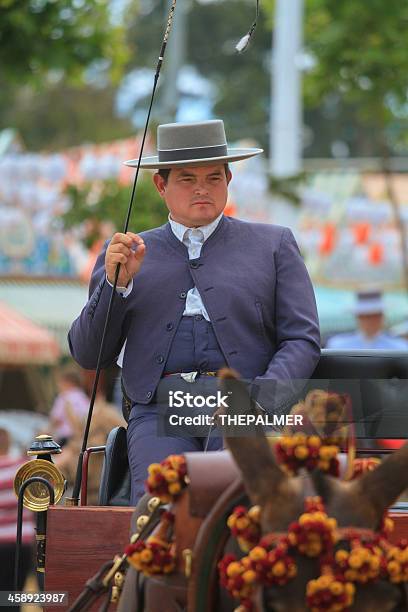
(123, 291)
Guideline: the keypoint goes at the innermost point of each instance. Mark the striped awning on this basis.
(23, 342)
(52, 304)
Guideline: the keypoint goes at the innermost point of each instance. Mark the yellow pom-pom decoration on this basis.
(249, 576)
(174, 488)
(146, 555)
(278, 569)
(257, 553)
(233, 569)
(167, 479)
(301, 452)
(170, 475)
(244, 525)
(336, 587)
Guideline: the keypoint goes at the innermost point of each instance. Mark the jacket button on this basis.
(149, 394)
(169, 326)
(194, 264)
(183, 295)
(159, 358)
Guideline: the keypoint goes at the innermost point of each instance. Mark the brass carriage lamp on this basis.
(36, 495)
(37, 484)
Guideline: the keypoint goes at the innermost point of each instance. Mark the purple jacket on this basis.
(254, 286)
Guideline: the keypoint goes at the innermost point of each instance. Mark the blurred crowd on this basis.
(66, 425)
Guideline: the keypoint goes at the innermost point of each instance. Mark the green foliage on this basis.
(362, 58)
(63, 116)
(355, 93)
(109, 201)
(49, 49)
(64, 36)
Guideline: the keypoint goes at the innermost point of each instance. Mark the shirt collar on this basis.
(180, 230)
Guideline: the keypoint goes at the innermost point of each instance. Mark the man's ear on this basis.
(229, 176)
(160, 183)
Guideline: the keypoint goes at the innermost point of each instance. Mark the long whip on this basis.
(74, 500)
(241, 47)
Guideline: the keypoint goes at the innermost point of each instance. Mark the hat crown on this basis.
(176, 136)
(368, 295)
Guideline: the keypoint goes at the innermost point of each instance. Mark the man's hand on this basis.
(128, 250)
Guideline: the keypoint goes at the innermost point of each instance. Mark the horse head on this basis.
(359, 503)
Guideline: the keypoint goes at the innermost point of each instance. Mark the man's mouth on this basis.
(202, 203)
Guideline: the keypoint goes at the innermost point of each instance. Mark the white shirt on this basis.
(193, 238)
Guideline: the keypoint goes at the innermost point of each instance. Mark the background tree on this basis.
(108, 201)
(64, 115)
(65, 35)
(59, 61)
(361, 52)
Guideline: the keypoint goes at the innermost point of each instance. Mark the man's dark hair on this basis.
(164, 172)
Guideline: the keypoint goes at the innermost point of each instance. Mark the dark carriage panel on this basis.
(377, 382)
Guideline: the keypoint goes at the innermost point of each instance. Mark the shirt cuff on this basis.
(123, 291)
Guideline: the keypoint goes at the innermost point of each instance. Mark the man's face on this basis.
(195, 195)
(371, 324)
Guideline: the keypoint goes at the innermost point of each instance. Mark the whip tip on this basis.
(243, 43)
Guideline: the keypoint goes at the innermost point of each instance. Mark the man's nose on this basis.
(200, 187)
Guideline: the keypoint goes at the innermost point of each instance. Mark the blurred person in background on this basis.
(105, 417)
(369, 312)
(9, 464)
(71, 404)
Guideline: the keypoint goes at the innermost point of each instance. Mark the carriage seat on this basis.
(114, 488)
(377, 382)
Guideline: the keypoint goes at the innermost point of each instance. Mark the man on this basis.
(369, 312)
(200, 292)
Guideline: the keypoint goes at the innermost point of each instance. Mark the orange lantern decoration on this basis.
(328, 241)
(361, 232)
(230, 210)
(376, 254)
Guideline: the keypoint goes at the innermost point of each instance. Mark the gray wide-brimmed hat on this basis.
(369, 301)
(192, 144)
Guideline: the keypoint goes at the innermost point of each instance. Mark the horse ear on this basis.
(252, 453)
(382, 486)
(363, 501)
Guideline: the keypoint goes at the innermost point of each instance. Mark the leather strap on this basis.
(209, 474)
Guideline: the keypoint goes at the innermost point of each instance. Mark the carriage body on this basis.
(80, 539)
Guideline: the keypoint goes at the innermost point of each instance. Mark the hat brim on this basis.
(233, 155)
(376, 307)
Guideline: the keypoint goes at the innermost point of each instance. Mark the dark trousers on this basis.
(150, 435)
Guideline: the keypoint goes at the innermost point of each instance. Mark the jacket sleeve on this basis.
(85, 335)
(297, 331)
